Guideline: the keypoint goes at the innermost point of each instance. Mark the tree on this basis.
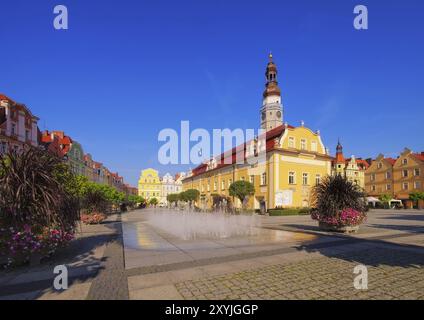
(172, 198)
(153, 202)
(416, 196)
(385, 199)
(190, 196)
(242, 190)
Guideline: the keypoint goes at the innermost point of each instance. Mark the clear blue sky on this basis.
(127, 69)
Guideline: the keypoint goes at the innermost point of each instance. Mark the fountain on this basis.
(189, 225)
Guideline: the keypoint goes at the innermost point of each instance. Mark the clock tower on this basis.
(272, 107)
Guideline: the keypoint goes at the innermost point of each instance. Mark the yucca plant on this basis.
(32, 191)
(336, 194)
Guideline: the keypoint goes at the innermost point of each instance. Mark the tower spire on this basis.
(339, 152)
(272, 110)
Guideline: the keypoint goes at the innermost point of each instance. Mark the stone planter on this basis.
(342, 229)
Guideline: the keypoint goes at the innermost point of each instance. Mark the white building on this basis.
(171, 185)
(18, 126)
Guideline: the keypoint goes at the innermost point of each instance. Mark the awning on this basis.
(372, 200)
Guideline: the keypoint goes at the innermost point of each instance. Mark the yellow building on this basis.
(379, 177)
(408, 174)
(296, 159)
(353, 169)
(149, 184)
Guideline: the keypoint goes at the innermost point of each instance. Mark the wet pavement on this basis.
(145, 245)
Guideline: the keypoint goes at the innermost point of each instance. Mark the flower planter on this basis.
(343, 229)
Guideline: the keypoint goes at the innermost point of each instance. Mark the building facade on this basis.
(379, 177)
(396, 177)
(295, 161)
(18, 126)
(149, 184)
(353, 169)
(408, 174)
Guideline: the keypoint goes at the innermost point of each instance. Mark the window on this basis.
(372, 177)
(292, 179)
(263, 182)
(242, 178)
(208, 186)
(405, 173)
(388, 175)
(379, 165)
(223, 185)
(405, 186)
(13, 129)
(203, 188)
(314, 146)
(3, 147)
(373, 188)
(230, 181)
(291, 142)
(388, 187)
(27, 135)
(317, 179)
(303, 144)
(417, 185)
(405, 161)
(417, 172)
(305, 179)
(215, 186)
(252, 179)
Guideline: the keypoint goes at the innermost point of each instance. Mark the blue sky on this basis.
(127, 69)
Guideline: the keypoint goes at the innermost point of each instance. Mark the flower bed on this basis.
(18, 246)
(93, 218)
(340, 222)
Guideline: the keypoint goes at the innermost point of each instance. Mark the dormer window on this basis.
(405, 161)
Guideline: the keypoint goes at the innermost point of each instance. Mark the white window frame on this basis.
(305, 175)
(292, 174)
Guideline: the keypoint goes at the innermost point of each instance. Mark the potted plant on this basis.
(339, 205)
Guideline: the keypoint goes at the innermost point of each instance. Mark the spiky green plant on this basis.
(335, 194)
(32, 191)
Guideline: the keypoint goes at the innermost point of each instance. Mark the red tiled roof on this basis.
(390, 160)
(363, 163)
(270, 144)
(419, 156)
(4, 97)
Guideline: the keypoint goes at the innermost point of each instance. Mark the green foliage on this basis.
(385, 198)
(242, 190)
(33, 192)
(173, 197)
(134, 200)
(289, 212)
(153, 201)
(415, 196)
(335, 194)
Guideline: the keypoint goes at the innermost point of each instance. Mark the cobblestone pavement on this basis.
(111, 283)
(392, 274)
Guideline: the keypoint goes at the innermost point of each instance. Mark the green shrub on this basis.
(289, 211)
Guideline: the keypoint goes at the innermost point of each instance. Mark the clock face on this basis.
(279, 114)
(263, 115)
